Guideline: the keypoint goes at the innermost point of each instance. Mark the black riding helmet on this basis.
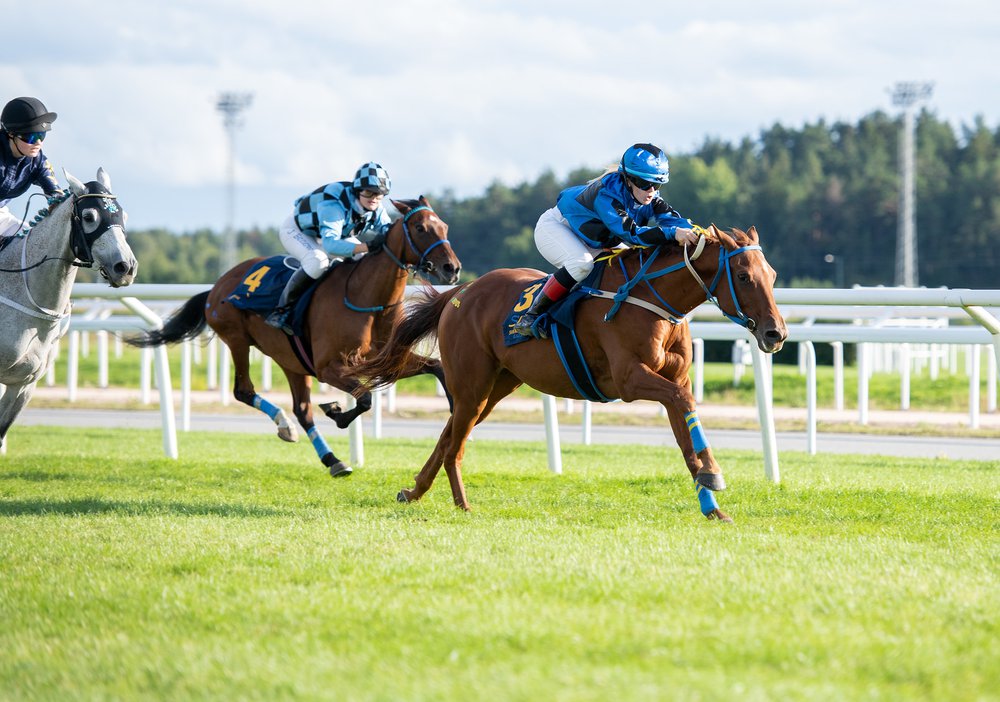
(26, 114)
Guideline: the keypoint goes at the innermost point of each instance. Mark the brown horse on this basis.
(643, 353)
(352, 312)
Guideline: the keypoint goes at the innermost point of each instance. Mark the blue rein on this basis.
(422, 263)
(643, 276)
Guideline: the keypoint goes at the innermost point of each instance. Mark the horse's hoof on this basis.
(401, 497)
(289, 434)
(340, 470)
(713, 481)
(720, 515)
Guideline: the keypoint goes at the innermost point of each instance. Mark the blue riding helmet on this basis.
(371, 176)
(646, 163)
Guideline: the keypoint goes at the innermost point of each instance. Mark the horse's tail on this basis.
(419, 322)
(186, 323)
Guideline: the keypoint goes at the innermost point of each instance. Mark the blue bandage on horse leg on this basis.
(318, 442)
(265, 406)
(697, 433)
(706, 498)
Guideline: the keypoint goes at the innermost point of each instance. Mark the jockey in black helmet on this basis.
(23, 126)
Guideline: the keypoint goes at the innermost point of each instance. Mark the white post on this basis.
(390, 399)
(145, 375)
(838, 374)
(211, 369)
(810, 358)
(186, 386)
(991, 382)
(102, 359)
(224, 393)
(975, 362)
(266, 373)
(73, 368)
(765, 413)
(568, 405)
(354, 435)
(863, 384)
(552, 434)
(586, 423)
(376, 414)
(698, 349)
(904, 376)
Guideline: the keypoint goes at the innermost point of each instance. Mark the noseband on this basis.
(422, 265)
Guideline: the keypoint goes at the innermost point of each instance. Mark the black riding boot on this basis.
(296, 285)
(555, 288)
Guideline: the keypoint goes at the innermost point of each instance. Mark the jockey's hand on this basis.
(376, 243)
(685, 236)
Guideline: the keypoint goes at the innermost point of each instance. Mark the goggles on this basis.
(32, 138)
(642, 184)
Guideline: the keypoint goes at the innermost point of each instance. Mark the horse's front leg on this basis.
(641, 383)
(301, 386)
(12, 401)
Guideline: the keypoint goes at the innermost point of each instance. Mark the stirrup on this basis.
(279, 319)
(527, 325)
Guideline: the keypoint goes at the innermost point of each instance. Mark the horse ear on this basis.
(424, 201)
(401, 206)
(752, 233)
(103, 178)
(726, 240)
(75, 185)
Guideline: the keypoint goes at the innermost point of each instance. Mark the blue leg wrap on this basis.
(265, 406)
(318, 442)
(697, 433)
(706, 498)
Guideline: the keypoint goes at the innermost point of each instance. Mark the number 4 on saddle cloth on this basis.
(262, 285)
(558, 321)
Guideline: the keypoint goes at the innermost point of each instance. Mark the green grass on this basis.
(241, 571)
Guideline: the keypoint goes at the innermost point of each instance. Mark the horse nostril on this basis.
(121, 268)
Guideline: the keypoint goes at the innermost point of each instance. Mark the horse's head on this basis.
(97, 234)
(425, 242)
(746, 287)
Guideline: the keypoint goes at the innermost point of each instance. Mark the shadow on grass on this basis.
(15, 508)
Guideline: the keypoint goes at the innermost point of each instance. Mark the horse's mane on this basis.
(740, 237)
(394, 212)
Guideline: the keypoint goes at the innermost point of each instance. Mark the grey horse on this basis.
(84, 227)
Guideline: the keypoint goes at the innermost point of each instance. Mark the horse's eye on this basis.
(90, 216)
(743, 277)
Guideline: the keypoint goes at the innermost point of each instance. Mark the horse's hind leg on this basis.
(13, 398)
(244, 391)
(301, 386)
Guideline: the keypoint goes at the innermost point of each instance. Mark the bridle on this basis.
(677, 317)
(81, 243)
(422, 265)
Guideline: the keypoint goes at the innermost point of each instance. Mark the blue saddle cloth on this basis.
(261, 288)
(560, 324)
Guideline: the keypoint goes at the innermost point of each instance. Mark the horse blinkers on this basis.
(86, 224)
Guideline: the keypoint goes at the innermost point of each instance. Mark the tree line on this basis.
(824, 198)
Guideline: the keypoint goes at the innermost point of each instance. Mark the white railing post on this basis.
(765, 413)
(552, 434)
(810, 358)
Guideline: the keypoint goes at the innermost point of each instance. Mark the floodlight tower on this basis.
(906, 95)
(231, 105)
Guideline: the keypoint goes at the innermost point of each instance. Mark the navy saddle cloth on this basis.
(262, 285)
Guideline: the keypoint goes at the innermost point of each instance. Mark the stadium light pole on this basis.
(231, 105)
(907, 95)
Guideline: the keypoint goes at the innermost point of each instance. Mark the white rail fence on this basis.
(891, 327)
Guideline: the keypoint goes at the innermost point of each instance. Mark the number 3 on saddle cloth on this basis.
(262, 285)
(559, 322)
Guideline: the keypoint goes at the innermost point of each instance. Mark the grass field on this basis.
(241, 571)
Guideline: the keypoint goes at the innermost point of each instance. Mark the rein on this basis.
(674, 316)
(422, 263)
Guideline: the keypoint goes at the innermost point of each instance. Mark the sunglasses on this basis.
(33, 138)
(370, 194)
(642, 184)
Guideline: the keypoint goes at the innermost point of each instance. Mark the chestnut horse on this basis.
(642, 353)
(352, 312)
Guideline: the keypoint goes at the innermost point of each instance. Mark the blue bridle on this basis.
(643, 276)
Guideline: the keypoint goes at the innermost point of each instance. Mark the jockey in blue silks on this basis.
(608, 212)
(333, 222)
(25, 122)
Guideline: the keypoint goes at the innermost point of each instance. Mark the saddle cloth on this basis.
(261, 288)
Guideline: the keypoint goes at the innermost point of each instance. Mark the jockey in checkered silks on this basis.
(333, 222)
(610, 211)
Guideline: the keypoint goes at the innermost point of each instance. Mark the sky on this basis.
(454, 95)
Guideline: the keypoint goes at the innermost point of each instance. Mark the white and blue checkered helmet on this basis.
(371, 176)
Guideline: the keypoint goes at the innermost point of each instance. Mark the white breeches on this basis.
(306, 248)
(561, 247)
(9, 224)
